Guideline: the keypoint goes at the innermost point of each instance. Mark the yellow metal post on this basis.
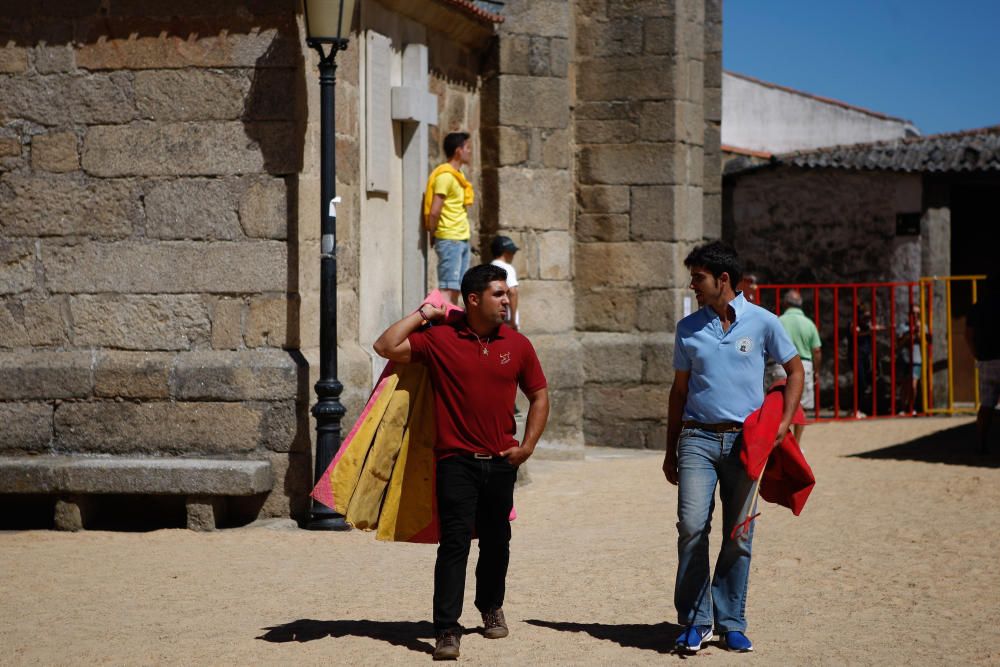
(925, 319)
(927, 328)
(951, 378)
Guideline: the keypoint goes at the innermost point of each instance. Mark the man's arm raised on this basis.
(393, 344)
(675, 413)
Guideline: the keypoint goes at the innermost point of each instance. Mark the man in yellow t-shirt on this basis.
(446, 203)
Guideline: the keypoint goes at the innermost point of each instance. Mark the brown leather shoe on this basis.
(447, 645)
(494, 625)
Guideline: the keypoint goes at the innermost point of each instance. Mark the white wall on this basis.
(761, 117)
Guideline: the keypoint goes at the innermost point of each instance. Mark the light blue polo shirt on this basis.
(727, 368)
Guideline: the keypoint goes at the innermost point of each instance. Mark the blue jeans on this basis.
(705, 459)
(453, 262)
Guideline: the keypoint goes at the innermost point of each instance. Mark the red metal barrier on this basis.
(869, 383)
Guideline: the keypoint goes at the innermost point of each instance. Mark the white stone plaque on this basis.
(378, 112)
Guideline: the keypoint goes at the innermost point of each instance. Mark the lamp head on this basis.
(328, 21)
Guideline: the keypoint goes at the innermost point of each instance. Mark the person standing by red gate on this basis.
(908, 340)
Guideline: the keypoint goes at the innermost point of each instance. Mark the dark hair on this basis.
(718, 258)
(477, 279)
(502, 244)
(453, 142)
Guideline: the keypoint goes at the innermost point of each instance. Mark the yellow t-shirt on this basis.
(453, 225)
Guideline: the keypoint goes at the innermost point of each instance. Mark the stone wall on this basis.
(456, 80)
(159, 221)
(149, 160)
(527, 192)
(648, 76)
(794, 225)
(824, 226)
(712, 104)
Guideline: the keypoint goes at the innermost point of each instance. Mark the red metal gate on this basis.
(880, 334)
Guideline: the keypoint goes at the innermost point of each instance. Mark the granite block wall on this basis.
(149, 290)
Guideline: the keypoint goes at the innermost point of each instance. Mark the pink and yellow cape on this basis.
(382, 478)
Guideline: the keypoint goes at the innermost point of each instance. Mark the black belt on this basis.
(471, 455)
(721, 427)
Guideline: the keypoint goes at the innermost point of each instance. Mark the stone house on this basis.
(886, 211)
(828, 204)
(159, 236)
(814, 188)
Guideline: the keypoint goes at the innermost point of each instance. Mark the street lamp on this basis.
(327, 22)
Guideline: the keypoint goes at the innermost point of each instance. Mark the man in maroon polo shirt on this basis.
(475, 363)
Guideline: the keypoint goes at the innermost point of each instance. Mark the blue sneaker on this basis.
(737, 641)
(693, 637)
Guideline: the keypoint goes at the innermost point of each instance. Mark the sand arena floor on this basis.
(895, 561)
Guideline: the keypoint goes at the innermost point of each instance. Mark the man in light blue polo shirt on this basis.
(719, 355)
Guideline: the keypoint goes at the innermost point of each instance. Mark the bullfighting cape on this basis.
(382, 478)
(785, 476)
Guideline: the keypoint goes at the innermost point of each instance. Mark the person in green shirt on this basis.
(805, 337)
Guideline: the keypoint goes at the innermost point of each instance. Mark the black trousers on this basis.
(472, 494)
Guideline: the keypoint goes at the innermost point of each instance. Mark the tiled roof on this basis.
(971, 150)
(475, 10)
(827, 100)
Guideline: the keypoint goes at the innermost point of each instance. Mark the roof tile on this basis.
(970, 150)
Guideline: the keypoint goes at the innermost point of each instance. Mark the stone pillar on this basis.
(646, 108)
(204, 512)
(935, 260)
(71, 513)
(528, 193)
(712, 96)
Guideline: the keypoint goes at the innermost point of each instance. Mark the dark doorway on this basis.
(975, 212)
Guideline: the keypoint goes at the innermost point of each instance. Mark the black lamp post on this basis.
(327, 22)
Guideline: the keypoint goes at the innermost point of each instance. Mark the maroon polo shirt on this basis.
(474, 392)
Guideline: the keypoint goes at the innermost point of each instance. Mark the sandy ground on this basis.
(894, 561)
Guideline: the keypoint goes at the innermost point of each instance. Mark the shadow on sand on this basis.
(407, 634)
(657, 637)
(958, 445)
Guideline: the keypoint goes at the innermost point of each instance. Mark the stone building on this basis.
(815, 227)
(159, 200)
(826, 204)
